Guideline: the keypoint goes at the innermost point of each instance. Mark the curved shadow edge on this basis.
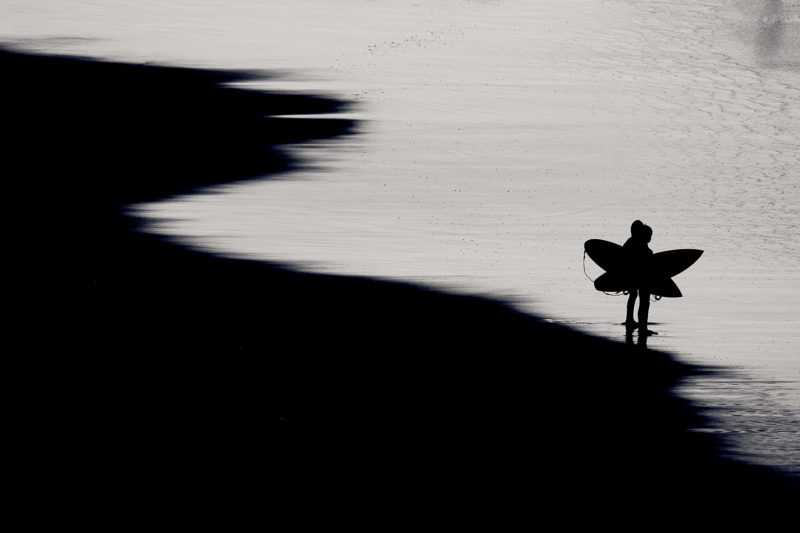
(144, 364)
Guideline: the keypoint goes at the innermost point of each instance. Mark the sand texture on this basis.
(149, 374)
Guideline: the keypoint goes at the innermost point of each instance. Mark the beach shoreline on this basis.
(160, 366)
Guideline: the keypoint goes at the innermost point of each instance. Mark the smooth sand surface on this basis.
(498, 137)
(153, 378)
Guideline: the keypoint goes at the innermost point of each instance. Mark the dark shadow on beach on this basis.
(146, 374)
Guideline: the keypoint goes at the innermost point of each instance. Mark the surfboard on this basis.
(607, 255)
(614, 282)
(673, 262)
(657, 276)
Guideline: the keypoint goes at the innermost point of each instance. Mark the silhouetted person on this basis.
(638, 257)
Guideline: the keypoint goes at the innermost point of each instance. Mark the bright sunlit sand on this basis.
(496, 138)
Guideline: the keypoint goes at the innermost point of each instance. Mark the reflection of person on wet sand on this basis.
(638, 256)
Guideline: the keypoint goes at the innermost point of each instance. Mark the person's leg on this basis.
(629, 321)
(644, 309)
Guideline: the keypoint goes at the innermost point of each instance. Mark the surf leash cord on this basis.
(654, 297)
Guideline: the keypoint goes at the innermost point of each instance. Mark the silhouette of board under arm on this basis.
(622, 275)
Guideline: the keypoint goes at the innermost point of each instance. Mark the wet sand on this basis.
(150, 374)
(500, 136)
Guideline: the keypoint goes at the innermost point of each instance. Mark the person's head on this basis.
(636, 227)
(646, 233)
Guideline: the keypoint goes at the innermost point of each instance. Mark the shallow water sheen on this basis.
(499, 136)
